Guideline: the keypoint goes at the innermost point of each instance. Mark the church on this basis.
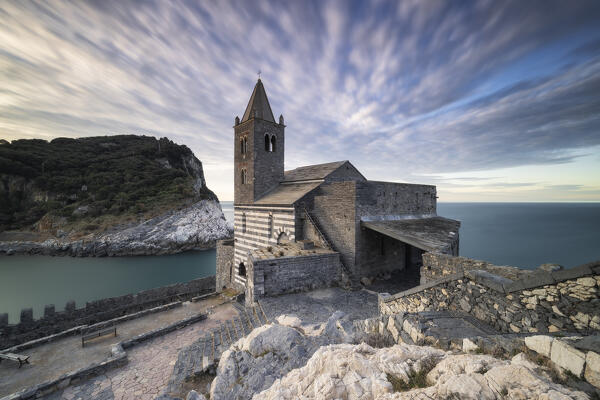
(318, 225)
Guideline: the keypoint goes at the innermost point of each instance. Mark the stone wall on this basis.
(384, 200)
(334, 212)
(273, 276)
(224, 272)
(96, 311)
(257, 227)
(436, 266)
(566, 300)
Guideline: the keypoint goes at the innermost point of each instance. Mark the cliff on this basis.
(111, 195)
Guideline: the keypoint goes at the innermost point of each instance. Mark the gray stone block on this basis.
(489, 280)
(572, 273)
(70, 306)
(533, 281)
(49, 310)
(26, 316)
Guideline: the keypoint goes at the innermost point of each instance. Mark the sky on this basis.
(488, 100)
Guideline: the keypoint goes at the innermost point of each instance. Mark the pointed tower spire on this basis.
(258, 106)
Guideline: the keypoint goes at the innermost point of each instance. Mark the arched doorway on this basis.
(242, 269)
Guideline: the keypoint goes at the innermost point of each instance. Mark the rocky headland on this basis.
(105, 196)
(197, 226)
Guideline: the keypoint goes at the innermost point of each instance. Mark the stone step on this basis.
(262, 310)
(248, 320)
(230, 336)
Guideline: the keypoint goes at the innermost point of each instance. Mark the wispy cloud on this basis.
(400, 88)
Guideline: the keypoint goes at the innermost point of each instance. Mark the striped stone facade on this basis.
(255, 227)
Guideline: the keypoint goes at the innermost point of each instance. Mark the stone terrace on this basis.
(287, 250)
(51, 360)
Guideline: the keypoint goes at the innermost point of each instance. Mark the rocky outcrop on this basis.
(198, 226)
(255, 362)
(346, 371)
(293, 360)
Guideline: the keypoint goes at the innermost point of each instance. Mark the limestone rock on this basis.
(541, 344)
(256, 361)
(345, 371)
(199, 225)
(592, 368)
(193, 395)
(568, 357)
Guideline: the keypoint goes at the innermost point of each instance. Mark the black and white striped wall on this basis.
(259, 226)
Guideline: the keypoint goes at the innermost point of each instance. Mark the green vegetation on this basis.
(416, 379)
(108, 180)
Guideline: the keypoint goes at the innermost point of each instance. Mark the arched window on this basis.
(267, 143)
(242, 269)
(244, 145)
(244, 223)
(243, 176)
(273, 142)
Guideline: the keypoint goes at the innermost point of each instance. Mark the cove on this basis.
(34, 281)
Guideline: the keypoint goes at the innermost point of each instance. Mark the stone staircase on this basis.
(204, 354)
(354, 282)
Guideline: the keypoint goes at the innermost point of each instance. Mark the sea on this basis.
(518, 234)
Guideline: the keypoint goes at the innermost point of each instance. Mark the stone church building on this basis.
(319, 225)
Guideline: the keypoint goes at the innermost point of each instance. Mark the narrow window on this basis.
(245, 144)
(242, 269)
(267, 143)
(273, 140)
(242, 146)
(243, 176)
(270, 224)
(244, 223)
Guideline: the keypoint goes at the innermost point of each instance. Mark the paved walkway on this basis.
(49, 361)
(150, 365)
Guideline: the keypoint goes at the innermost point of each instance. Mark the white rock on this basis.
(468, 345)
(193, 395)
(592, 368)
(541, 344)
(289, 320)
(568, 357)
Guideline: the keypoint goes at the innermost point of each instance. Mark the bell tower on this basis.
(258, 149)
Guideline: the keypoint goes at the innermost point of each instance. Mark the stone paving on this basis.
(150, 365)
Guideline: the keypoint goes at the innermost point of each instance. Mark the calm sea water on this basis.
(34, 281)
(519, 234)
(528, 234)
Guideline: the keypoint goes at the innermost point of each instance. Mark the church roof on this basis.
(258, 106)
(287, 193)
(436, 234)
(312, 172)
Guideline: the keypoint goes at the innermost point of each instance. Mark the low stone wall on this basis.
(436, 266)
(273, 276)
(96, 311)
(117, 359)
(566, 300)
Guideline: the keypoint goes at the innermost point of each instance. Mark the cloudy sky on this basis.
(489, 100)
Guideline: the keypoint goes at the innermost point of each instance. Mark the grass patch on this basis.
(416, 379)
